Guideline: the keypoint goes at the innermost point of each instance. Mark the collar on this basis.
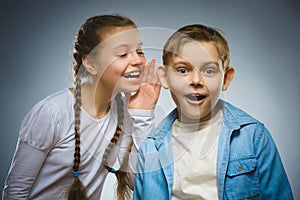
(234, 119)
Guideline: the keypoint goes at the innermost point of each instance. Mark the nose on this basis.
(137, 59)
(196, 79)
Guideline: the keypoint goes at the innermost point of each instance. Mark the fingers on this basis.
(152, 66)
(146, 96)
(148, 75)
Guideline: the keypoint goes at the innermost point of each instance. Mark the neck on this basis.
(96, 100)
(207, 117)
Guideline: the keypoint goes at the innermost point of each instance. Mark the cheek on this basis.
(117, 67)
(176, 84)
(214, 86)
(143, 59)
(111, 74)
(104, 60)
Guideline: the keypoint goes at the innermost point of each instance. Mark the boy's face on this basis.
(196, 78)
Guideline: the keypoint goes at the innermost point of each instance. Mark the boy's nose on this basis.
(196, 79)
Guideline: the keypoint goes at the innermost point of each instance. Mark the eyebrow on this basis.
(188, 63)
(126, 45)
(212, 62)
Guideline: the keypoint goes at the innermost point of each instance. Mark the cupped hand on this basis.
(147, 95)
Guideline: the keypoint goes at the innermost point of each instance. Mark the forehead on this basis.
(196, 52)
(120, 36)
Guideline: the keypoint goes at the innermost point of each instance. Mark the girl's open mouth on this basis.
(132, 75)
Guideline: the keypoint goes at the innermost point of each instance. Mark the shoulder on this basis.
(61, 100)
(41, 126)
(165, 125)
(236, 117)
(53, 106)
(245, 127)
(161, 136)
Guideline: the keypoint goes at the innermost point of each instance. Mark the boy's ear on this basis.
(90, 65)
(162, 75)
(228, 76)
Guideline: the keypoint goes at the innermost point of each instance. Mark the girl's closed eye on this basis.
(122, 55)
(140, 52)
(121, 51)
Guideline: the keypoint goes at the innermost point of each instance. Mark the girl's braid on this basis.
(77, 106)
(117, 134)
(77, 191)
(123, 189)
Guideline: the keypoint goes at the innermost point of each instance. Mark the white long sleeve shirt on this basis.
(43, 160)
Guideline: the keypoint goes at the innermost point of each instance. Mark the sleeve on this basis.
(138, 124)
(37, 136)
(273, 179)
(138, 185)
(143, 125)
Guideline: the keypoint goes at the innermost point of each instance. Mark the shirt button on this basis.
(240, 167)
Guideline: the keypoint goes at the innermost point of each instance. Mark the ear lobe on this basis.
(228, 76)
(90, 65)
(162, 75)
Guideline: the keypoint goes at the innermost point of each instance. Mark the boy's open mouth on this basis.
(195, 97)
(129, 75)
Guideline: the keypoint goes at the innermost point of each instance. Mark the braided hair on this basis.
(87, 38)
(123, 189)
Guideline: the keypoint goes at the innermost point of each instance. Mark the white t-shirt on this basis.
(43, 161)
(195, 148)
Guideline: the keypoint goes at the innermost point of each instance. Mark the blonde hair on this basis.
(196, 32)
(87, 38)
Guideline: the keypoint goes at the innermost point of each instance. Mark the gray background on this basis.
(36, 44)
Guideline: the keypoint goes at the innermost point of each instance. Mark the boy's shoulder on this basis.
(235, 116)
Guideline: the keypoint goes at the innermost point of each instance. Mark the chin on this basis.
(130, 89)
(189, 118)
(194, 117)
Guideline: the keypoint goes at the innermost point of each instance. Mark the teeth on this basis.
(132, 75)
(195, 97)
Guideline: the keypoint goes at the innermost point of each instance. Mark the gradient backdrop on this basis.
(36, 45)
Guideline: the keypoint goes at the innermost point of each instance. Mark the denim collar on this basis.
(234, 118)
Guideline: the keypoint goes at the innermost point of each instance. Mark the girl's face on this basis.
(119, 60)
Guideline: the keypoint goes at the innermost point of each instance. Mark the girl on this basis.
(108, 59)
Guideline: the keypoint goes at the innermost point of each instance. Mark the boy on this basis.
(206, 148)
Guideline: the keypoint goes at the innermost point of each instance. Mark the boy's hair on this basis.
(200, 33)
(87, 38)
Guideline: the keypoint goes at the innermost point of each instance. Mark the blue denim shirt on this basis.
(248, 163)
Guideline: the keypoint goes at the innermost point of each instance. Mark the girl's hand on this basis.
(147, 95)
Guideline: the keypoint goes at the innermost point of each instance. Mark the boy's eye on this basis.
(209, 71)
(182, 70)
